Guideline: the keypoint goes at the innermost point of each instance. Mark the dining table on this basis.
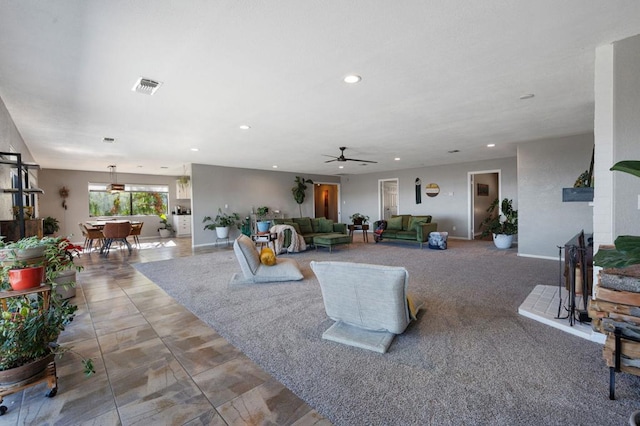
(100, 224)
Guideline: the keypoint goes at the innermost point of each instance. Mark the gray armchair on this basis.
(256, 272)
(368, 303)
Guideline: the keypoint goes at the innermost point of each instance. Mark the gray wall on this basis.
(242, 190)
(50, 203)
(544, 168)
(450, 208)
(626, 108)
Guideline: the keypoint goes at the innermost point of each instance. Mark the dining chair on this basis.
(116, 231)
(136, 230)
(92, 235)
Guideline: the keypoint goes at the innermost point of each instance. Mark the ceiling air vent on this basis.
(146, 86)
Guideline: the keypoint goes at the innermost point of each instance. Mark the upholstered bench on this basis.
(330, 240)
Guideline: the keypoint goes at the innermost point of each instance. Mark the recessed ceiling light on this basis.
(274, 166)
(244, 127)
(453, 151)
(527, 96)
(491, 145)
(164, 167)
(139, 166)
(108, 140)
(195, 149)
(397, 159)
(341, 167)
(353, 78)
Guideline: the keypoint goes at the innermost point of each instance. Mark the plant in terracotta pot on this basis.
(503, 225)
(222, 223)
(22, 263)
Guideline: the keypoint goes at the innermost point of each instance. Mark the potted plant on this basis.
(263, 225)
(503, 225)
(60, 268)
(359, 218)
(222, 223)
(30, 323)
(298, 191)
(50, 225)
(22, 263)
(165, 227)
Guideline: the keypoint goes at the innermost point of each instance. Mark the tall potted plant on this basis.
(222, 223)
(299, 191)
(503, 225)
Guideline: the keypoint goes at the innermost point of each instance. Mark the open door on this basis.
(388, 198)
(326, 199)
(484, 188)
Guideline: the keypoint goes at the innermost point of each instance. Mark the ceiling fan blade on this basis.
(362, 161)
(329, 161)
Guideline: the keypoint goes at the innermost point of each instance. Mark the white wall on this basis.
(544, 168)
(242, 190)
(450, 208)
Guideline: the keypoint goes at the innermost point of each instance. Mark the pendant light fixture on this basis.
(114, 186)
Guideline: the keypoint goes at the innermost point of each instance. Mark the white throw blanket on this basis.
(297, 241)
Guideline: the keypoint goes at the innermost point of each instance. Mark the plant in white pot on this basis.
(503, 225)
(222, 223)
(165, 227)
(60, 269)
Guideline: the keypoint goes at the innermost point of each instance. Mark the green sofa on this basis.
(328, 232)
(408, 228)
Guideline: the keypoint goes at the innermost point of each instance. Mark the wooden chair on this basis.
(92, 234)
(136, 230)
(116, 231)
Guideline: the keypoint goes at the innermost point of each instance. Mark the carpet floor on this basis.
(468, 359)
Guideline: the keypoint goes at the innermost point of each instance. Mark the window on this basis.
(135, 200)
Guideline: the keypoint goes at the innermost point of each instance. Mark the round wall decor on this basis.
(432, 189)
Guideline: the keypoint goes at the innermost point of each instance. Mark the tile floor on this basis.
(542, 305)
(156, 363)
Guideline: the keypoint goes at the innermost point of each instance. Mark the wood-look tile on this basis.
(156, 363)
(227, 381)
(312, 418)
(124, 339)
(121, 323)
(201, 352)
(269, 403)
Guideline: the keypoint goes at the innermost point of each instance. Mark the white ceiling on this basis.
(436, 76)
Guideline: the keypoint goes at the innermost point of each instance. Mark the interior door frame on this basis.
(380, 198)
(470, 197)
(339, 194)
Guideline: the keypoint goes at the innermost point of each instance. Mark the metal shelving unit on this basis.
(14, 159)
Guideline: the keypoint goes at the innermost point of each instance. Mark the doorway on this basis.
(484, 188)
(326, 200)
(388, 198)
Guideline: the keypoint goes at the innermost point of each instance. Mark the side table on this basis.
(267, 238)
(364, 228)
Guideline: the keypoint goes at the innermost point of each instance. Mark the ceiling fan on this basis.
(342, 158)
